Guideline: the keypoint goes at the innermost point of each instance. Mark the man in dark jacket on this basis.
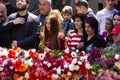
(22, 27)
(3, 35)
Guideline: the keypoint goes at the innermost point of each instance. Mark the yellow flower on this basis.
(118, 65)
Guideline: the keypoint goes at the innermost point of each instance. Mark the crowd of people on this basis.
(52, 29)
(62, 29)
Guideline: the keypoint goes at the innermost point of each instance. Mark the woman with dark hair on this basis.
(74, 35)
(116, 19)
(52, 39)
(92, 38)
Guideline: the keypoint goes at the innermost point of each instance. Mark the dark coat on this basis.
(25, 34)
(96, 41)
(3, 36)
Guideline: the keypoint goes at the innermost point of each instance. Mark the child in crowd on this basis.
(68, 23)
(108, 29)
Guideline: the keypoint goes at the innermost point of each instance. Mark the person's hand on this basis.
(41, 35)
(14, 43)
(80, 45)
(19, 21)
(47, 49)
(61, 35)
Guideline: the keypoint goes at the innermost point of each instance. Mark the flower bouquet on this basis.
(104, 59)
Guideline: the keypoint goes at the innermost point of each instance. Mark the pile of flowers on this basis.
(104, 59)
(19, 64)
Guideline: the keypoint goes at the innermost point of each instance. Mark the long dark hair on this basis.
(82, 18)
(53, 33)
(117, 13)
(93, 23)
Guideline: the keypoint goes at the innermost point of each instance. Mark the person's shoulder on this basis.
(71, 31)
(100, 12)
(32, 16)
(13, 15)
(99, 37)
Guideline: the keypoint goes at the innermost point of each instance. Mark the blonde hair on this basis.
(56, 13)
(67, 9)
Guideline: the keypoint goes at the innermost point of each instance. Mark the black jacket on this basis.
(96, 41)
(3, 36)
(25, 34)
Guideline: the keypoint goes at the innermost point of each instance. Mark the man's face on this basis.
(21, 5)
(109, 3)
(2, 13)
(44, 7)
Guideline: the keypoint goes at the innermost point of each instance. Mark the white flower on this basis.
(45, 62)
(3, 52)
(74, 61)
(41, 56)
(26, 54)
(17, 54)
(76, 67)
(67, 50)
(66, 65)
(73, 54)
(49, 64)
(117, 56)
(1, 68)
(83, 52)
(79, 62)
(26, 75)
(77, 51)
(69, 73)
(88, 66)
(33, 50)
(55, 76)
(83, 57)
(4, 63)
(21, 78)
(62, 57)
(59, 70)
(29, 62)
(71, 67)
(11, 67)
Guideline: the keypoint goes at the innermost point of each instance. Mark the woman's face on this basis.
(78, 23)
(116, 20)
(48, 24)
(89, 30)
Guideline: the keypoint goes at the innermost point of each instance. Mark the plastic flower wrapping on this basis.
(19, 64)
